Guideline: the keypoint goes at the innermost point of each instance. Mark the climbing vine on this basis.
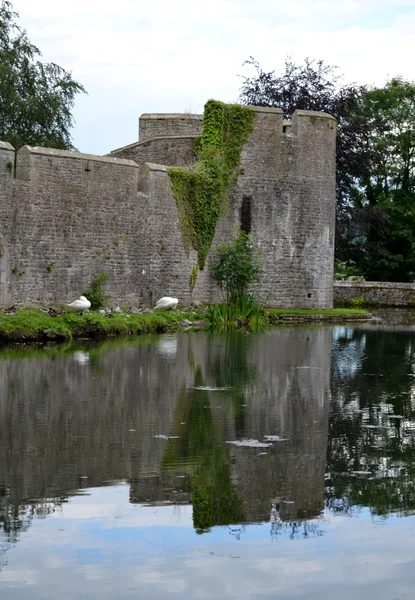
(202, 191)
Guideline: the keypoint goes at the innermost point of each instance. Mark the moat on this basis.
(277, 465)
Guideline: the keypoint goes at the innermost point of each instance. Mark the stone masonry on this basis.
(67, 216)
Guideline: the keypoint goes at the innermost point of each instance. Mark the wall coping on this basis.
(38, 150)
(156, 167)
(313, 113)
(374, 284)
(160, 116)
(153, 139)
(265, 109)
(6, 146)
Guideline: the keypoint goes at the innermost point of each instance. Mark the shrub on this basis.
(95, 293)
(235, 266)
(347, 271)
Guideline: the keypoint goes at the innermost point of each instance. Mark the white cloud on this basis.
(136, 56)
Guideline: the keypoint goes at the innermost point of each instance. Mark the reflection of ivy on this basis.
(201, 192)
(215, 500)
(200, 449)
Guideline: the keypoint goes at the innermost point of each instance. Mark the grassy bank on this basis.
(35, 325)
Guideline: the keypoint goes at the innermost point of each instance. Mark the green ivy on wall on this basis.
(202, 191)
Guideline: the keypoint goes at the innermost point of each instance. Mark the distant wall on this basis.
(379, 292)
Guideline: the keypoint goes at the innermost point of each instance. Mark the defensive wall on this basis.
(67, 216)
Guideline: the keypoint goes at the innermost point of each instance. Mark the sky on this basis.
(99, 545)
(143, 56)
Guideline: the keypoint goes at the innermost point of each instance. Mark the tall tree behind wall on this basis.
(386, 251)
(36, 99)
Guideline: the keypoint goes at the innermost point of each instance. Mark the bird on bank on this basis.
(166, 302)
(81, 304)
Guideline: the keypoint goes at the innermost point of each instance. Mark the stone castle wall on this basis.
(66, 216)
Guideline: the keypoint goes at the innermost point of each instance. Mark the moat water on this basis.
(199, 466)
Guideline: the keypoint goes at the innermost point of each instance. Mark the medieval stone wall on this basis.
(288, 182)
(65, 216)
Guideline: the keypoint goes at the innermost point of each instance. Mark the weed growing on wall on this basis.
(202, 192)
(235, 266)
(95, 293)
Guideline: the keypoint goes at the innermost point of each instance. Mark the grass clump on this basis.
(244, 314)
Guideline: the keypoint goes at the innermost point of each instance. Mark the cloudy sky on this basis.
(137, 56)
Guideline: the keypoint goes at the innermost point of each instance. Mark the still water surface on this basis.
(279, 465)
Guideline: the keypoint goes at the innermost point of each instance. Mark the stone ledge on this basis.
(53, 152)
(148, 141)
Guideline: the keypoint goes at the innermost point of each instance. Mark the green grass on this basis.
(30, 324)
(33, 324)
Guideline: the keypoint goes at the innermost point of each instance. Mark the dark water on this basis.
(205, 466)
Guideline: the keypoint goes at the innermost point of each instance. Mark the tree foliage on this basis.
(36, 98)
(384, 244)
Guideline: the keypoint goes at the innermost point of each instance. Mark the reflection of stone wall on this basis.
(61, 420)
(78, 420)
(293, 366)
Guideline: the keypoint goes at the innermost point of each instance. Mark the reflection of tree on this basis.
(371, 448)
(231, 368)
(16, 519)
(201, 451)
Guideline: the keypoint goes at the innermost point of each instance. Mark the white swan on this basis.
(167, 302)
(81, 304)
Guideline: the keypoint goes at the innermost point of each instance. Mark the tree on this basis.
(385, 249)
(35, 98)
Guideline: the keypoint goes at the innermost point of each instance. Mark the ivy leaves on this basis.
(202, 192)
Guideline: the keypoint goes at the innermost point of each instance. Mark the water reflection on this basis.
(159, 415)
(371, 445)
(291, 430)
